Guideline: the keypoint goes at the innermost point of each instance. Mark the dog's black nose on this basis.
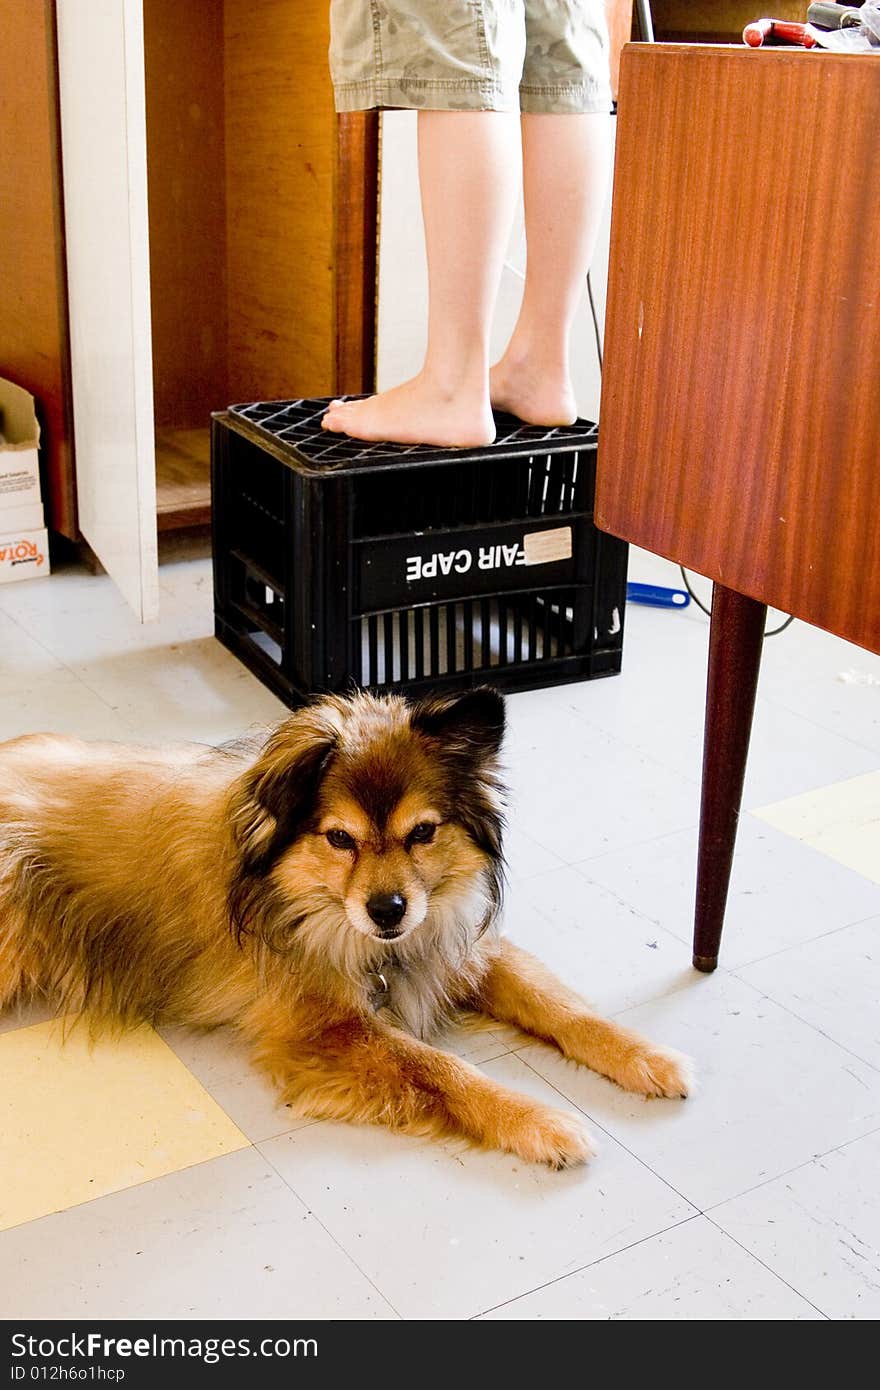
(386, 910)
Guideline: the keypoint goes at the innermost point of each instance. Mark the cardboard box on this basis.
(28, 518)
(23, 555)
(19, 459)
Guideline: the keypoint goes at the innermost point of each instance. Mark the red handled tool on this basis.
(778, 31)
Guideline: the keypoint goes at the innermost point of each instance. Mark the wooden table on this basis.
(741, 394)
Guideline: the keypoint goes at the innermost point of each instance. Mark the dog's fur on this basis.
(200, 887)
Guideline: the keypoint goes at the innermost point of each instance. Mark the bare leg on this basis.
(469, 173)
(519, 989)
(565, 178)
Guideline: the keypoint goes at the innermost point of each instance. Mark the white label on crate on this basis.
(541, 547)
(487, 557)
(496, 557)
(428, 566)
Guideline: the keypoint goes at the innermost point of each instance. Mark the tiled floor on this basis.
(158, 1177)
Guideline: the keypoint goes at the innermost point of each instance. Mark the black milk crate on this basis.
(341, 564)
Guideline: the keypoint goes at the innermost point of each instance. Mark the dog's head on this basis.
(373, 815)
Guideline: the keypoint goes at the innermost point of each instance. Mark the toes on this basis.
(659, 1071)
(559, 1139)
(335, 419)
(572, 1143)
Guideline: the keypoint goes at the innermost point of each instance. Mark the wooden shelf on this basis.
(183, 478)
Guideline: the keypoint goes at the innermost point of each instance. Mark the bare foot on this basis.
(416, 413)
(533, 392)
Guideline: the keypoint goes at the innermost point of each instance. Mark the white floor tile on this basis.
(786, 758)
(188, 582)
(446, 1232)
(162, 681)
(572, 786)
(71, 588)
(82, 634)
(782, 892)
(195, 690)
(609, 953)
(222, 1065)
(224, 1239)
(833, 984)
(657, 705)
(833, 683)
(22, 656)
(819, 1228)
(58, 703)
(477, 1039)
(525, 857)
(693, 1273)
(772, 1092)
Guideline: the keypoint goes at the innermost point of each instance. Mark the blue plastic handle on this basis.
(655, 596)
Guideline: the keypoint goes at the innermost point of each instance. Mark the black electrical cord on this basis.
(772, 632)
(596, 329)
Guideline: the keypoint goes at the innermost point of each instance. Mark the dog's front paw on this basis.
(555, 1137)
(657, 1071)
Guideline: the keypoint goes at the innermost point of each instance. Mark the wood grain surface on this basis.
(740, 403)
(183, 478)
(280, 199)
(34, 350)
(711, 20)
(356, 250)
(183, 60)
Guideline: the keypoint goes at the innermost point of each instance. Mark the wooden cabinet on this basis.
(246, 175)
(253, 247)
(33, 298)
(740, 413)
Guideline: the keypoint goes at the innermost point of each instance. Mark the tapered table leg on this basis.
(735, 641)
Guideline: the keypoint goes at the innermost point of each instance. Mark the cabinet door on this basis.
(104, 159)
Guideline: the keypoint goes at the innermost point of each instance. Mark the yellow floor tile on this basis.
(79, 1120)
(842, 821)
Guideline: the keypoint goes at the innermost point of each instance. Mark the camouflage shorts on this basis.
(470, 55)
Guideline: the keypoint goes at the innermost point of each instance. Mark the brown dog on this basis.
(334, 900)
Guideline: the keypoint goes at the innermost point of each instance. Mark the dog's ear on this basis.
(469, 729)
(471, 723)
(275, 798)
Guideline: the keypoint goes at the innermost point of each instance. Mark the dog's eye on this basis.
(422, 834)
(340, 839)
